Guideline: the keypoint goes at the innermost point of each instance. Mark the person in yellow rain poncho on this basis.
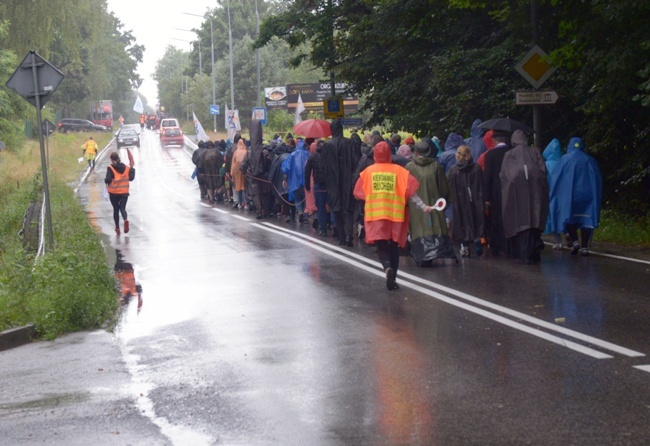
(90, 152)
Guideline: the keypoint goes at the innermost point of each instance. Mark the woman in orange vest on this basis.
(118, 176)
(386, 188)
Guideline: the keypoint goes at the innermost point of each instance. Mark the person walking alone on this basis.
(90, 152)
(118, 177)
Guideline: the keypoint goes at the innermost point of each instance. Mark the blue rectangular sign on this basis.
(214, 109)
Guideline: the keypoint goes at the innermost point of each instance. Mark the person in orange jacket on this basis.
(118, 177)
(386, 189)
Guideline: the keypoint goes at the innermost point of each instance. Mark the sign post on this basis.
(535, 69)
(35, 80)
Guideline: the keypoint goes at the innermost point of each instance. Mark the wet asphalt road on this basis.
(262, 333)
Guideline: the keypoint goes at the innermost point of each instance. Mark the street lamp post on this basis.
(214, 100)
(199, 40)
(257, 56)
(232, 84)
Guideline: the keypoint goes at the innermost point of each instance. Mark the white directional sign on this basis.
(536, 97)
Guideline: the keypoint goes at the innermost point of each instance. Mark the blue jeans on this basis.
(322, 199)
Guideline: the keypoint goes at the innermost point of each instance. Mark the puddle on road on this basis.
(125, 274)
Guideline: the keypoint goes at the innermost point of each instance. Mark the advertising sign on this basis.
(313, 95)
(276, 98)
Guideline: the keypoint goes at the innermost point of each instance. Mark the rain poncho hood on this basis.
(475, 141)
(576, 190)
(448, 157)
(382, 153)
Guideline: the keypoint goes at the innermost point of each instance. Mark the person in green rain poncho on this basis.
(429, 233)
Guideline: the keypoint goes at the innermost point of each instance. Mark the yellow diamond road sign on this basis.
(534, 68)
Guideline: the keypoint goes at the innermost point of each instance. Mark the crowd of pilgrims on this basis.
(501, 193)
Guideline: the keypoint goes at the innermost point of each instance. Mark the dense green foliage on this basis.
(182, 88)
(433, 66)
(81, 38)
(69, 289)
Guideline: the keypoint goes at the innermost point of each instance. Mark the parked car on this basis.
(128, 137)
(171, 136)
(166, 123)
(79, 125)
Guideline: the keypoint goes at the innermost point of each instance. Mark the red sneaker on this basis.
(126, 226)
(117, 230)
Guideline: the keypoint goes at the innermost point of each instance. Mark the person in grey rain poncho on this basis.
(524, 192)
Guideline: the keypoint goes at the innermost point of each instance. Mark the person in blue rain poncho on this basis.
(552, 154)
(576, 195)
(475, 140)
(448, 158)
(294, 168)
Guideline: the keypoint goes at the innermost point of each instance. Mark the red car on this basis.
(172, 136)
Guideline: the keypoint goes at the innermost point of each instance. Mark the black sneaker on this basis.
(575, 249)
(391, 279)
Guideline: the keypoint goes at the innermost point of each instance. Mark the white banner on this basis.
(138, 107)
(300, 107)
(232, 123)
(198, 128)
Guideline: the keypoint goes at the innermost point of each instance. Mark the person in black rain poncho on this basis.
(339, 159)
(524, 191)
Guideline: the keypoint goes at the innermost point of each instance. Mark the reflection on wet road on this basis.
(262, 332)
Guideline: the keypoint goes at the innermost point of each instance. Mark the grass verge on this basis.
(72, 287)
(623, 229)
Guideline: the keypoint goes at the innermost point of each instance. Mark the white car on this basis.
(166, 123)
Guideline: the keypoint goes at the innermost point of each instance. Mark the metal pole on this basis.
(214, 100)
(200, 62)
(232, 84)
(46, 189)
(537, 110)
(257, 56)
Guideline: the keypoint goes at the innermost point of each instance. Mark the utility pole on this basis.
(214, 100)
(257, 55)
(232, 84)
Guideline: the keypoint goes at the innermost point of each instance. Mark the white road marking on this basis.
(602, 254)
(645, 368)
(241, 218)
(540, 334)
(475, 300)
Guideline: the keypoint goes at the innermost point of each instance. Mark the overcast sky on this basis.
(153, 24)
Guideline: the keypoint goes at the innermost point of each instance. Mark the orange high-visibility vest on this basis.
(385, 188)
(120, 183)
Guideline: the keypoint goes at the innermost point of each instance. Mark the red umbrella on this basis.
(313, 128)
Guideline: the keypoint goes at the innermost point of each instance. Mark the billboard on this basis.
(313, 94)
(276, 98)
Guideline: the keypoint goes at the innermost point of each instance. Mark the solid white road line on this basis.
(602, 254)
(475, 300)
(645, 368)
(540, 334)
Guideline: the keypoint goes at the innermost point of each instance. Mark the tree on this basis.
(13, 108)
(433, 66)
